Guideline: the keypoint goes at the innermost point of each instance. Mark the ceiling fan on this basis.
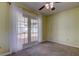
(49, 6)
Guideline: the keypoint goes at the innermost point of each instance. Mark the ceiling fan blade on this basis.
(53, 8)
(42, 7)
(57, 2)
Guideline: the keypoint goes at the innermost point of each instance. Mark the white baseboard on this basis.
(65, 44)
(4, 54)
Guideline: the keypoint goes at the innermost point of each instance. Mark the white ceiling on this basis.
(59, 6)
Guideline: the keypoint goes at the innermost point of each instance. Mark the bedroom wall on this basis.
(63, 27)
(45, 27)
(4, 25)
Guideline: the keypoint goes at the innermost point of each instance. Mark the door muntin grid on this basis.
(23, 30)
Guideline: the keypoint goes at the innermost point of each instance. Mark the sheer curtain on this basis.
(19, 14)
(16, 13)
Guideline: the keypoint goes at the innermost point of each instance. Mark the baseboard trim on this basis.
(64, 44)
(5, 54)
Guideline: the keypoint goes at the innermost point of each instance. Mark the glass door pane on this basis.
(23, 30)
(34, 30)
(28, 30)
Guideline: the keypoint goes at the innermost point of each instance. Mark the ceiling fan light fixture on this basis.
(51, 5)
(47, 6)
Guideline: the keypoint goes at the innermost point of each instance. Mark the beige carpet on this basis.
(48, 49)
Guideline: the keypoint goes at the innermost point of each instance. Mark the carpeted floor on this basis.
(48, 49)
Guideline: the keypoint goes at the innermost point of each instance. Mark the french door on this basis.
(28, 30)
(34, 30)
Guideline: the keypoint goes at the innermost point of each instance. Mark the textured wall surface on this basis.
(63, 27)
